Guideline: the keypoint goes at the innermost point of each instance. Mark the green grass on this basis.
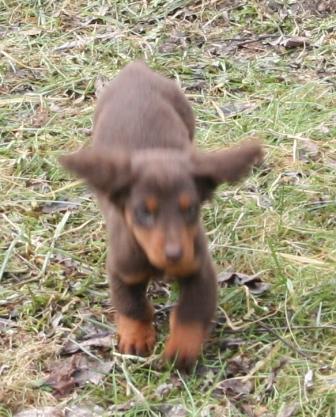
(280, 221)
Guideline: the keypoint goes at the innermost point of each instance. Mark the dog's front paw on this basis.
(184, 344)
(135, 337)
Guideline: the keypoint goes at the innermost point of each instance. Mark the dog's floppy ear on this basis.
(108, 173)
(228, 165)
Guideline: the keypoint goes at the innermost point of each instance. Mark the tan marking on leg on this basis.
(135, 337)
(185, 342)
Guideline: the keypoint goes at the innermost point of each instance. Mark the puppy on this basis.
(150, 182)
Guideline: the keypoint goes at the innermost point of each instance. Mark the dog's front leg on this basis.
(190, 319)
(134, 316)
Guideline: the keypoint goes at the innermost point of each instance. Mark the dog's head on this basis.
(160, 193)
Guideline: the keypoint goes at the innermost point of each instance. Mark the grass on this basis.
(280, 222)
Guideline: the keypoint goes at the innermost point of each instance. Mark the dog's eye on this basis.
(190, 213)
(144, 216)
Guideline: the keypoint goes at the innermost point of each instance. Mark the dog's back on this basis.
(141, 110)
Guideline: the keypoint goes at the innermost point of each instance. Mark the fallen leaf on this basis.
(3, 369)
(71, 265)
(100, 84)
(102, 10)
(173, 411)
(254, 411)
(214, 411)
(85, 41)
(61, 376)
(274, 373)
(84, 411)
(253, 282)
(231, 343)
(76, 371)
(233, 108)
(236, 387)
(291, 177)
(59, 206)
(41, 412)
(330, 162)
(239, 365)
(31, 32)
(168, 48)
(121, 408)
(263, 201)
(324, 129)
(196, 85)
(163, 390)
(307, 150)
(40, 118)
(327, 6)
(288, 410)
(7, 323)
(295, 42)
(105, 340)
(55, 108)
(92, 371)
(207, 376)
(308, 380)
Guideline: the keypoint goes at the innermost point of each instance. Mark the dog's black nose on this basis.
(173, 252)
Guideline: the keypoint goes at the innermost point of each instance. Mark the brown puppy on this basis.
(150, 182)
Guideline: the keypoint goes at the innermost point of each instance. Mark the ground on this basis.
(249, 68)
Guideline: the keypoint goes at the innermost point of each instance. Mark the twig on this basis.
(284, 341)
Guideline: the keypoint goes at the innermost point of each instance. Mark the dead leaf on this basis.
(236, 387)
(41, 412)
(307, 150)
(163, 390)
(61, 376)
(288, 410)
(31, 32)
(295, 42)
(76, 371)
(71, 265)
(254, 411)
(82, 42)
(92, 371)
(308, 380)
(196, 85)
(84, 411)
(168, 48)
(234, 108)
(55, 108)
(253, 282)
(214, 411)
(327, 6)
(7, 323)
(291, 177)
(207, 376)
(324, 129)
(120, 408)
(40, 118)
(263, 201)
(330, 162)
(274, 373)
(239, 365)
(231, 343)
(105, 340)
(59, 206)
(173, 411)
(100, 84)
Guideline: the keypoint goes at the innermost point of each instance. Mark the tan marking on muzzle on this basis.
(153, 242)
